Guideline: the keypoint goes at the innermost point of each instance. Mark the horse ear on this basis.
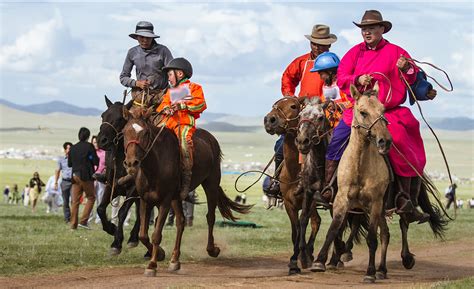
(303, 100)
(129, 104)
(354, 92)
(376, 88)
(125, 113)
(107, 101)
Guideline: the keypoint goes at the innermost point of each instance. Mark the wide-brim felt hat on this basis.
(321, 34)
(145, 29)
(373, 17)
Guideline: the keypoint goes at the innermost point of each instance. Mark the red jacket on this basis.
(298, 72)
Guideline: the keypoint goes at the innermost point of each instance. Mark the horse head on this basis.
(112, 124)
(312, 126)
(369, 115)
(137, 136)
(283, 117)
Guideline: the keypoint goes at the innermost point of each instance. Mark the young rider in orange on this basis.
(183, 103)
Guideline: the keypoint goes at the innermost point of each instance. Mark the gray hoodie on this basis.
(148, 64)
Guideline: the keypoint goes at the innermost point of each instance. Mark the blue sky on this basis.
(74, 51)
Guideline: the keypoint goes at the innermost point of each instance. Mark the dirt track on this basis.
(444, 261)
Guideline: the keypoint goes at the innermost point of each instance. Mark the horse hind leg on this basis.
(212, 192)
(408, 259)
(133, 239)
(175, 265)
(315, 226)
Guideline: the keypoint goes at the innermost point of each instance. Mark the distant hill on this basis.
(53, 106)
(452, 123)
(227, 127)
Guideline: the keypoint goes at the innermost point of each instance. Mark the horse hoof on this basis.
(369, 279)
(408, 262)
(340, 265)
(305, 262)
(115, 251)
(174, 266)
(161, 254)
(214, 252)
(318, 267)
(150, 272)
(131, 245)
(147, 256)
(346, 257)
(381, 275)
(294, 271)
(331, 267)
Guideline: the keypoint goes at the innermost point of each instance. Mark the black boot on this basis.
(187, 163)
(405, 206)
(325, 197)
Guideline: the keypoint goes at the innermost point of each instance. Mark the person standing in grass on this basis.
(82, 159)
(26, 195)
(14, 195)
(36, 184)
(66, 177)
(100, 169)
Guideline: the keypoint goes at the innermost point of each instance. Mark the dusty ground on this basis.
(443, 261)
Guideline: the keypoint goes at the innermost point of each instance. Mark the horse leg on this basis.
(355, 226)
(338, 249)
(295, 235)
(145, 210)
(178, 210)
(315, 225)
(211, 194)
(408, 259)
(116, 247)
(133, 239)
(339, 213)
(375, 217)
(303, 223)
(107, 226)
(157, 236)
(384, 241)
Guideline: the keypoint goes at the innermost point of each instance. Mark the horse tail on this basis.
(226, 206)
(362, 225)
(437, 221)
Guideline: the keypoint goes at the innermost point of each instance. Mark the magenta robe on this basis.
(404, 127)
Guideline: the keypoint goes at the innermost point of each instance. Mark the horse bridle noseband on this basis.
(369, 128)
(283, 115)
(315, 139)
(118, 134)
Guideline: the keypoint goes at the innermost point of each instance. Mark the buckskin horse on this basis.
(152, 157)
(110, 139)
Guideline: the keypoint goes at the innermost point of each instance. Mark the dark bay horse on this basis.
(110, 139)
(152, 157)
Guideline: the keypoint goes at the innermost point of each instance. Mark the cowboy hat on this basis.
(321, 35)
(145, 29)
(372, 17)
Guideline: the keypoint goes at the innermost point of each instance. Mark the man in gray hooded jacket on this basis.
(149, 58)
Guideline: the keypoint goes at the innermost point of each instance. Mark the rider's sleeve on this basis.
(165, 103)
(410, 74)
(345, 71)
(291, 78)
(125, 78)
(197, 104)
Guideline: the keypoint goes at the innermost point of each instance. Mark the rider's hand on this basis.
(403, 63)
(142, 83)
(432, 93)
(168, 111)
(364, 79)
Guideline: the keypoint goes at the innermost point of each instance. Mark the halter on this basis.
(369, 128)
(283, 115)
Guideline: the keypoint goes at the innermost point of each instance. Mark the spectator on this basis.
(52, 195)
(471, 203)
(82, 158)
(36, 184)
(6, 193)
(188, 210)
(14, 195)
(99, 187)
(450, 194)
(66, 177)
(459, 203)
(26, 195)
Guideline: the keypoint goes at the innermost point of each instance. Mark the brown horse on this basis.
(362, 179)
(152, 157)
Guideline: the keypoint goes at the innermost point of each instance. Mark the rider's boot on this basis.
(325, 197)
(405, 206)
(187, 163)
(274, 189)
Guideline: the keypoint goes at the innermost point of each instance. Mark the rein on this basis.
(369, 128)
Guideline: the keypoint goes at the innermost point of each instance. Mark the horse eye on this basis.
(293, 106)
(364, 114)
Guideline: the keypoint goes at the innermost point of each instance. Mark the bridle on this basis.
(369, 128)
(320, 133)
(282, 114)
(118, 134)
(138, 144)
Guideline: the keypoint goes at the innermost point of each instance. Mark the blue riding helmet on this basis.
(325, 60)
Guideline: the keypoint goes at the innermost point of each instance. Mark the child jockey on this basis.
(326, 65)
(183, 103)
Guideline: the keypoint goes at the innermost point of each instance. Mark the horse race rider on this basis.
(183, 103)
(376, 59)
(326, 65)
(149, 58)
(298, 73)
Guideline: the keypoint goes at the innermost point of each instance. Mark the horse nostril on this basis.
(135, 163)
(306, 141)
(272, 119)
(125, 164)
(381, 142)
(103, 140)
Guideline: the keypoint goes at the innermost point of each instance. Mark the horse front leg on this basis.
(295, 235)
(384, 241)
(315, 225)
(107, 226)
(178, 210)
(408, 259)
(303, 223)
(375, 219)
(145, 210)
(340, 208)
(157, 236)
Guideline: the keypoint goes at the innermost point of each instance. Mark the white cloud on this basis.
(48, 90)
(272, 78)
(352, 36)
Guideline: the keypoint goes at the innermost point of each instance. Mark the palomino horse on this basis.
(362, 179)
(110, 139)
(152, 157)
(312, 139)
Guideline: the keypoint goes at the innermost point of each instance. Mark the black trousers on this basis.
(66, 192)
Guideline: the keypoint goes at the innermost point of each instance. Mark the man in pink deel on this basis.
(378, 60)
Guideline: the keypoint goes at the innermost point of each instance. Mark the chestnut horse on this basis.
(152, 157)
